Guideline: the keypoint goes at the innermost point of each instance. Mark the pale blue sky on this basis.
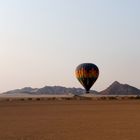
(42, 41)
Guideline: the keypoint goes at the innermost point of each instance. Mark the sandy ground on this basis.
(70, 120)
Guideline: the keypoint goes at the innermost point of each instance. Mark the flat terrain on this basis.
(70, 120)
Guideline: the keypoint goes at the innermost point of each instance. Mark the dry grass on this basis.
(69, 119)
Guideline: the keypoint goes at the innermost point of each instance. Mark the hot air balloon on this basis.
(87, 74)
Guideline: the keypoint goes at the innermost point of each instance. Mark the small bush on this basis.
(137, 97)
(30, 99)
(38, 99)
(112, 98)
(22, 99)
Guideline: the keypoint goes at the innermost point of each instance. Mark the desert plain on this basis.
(70, 120)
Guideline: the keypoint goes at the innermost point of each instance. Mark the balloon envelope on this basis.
(87, 74)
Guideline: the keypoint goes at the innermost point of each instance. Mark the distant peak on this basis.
(27, 88)
(116, 83)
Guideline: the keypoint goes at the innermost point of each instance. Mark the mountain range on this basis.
(115, 88)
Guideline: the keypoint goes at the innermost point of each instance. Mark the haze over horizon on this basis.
(43, 41)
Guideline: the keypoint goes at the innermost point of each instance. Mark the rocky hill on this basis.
(117, 88)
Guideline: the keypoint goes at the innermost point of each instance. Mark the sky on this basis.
(43, 41)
